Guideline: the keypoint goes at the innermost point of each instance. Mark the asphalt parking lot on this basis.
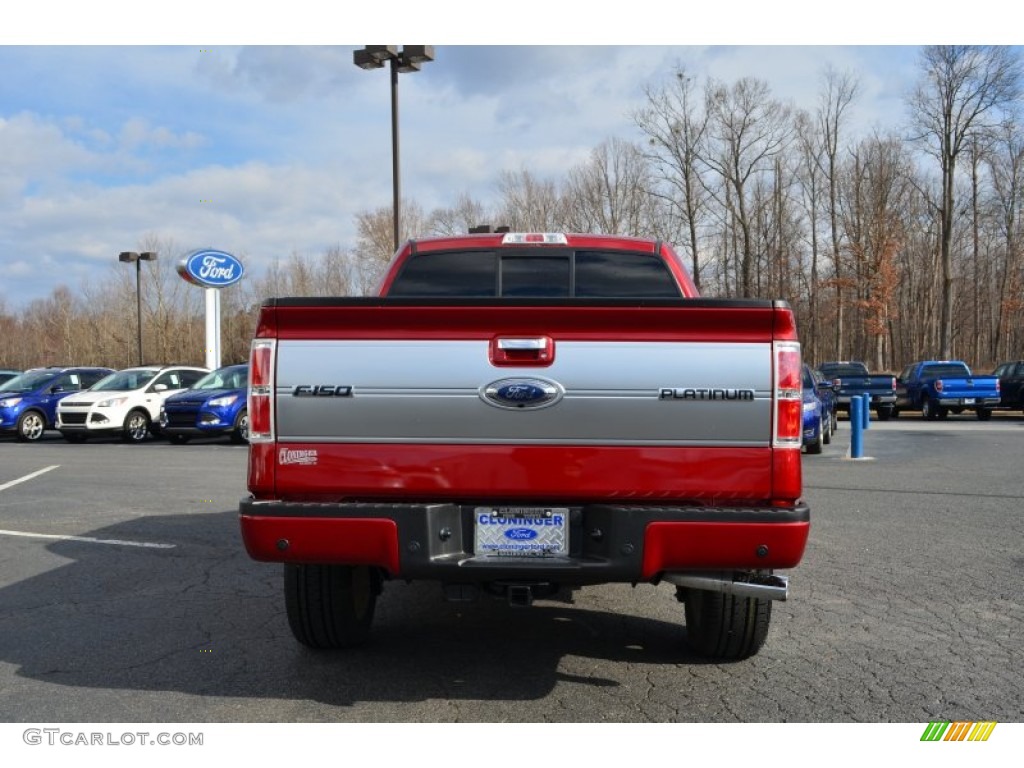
(126, 596)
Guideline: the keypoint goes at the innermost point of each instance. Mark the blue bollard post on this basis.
(867, 411)
(856, 427)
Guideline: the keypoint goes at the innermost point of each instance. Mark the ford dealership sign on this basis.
(210, 269)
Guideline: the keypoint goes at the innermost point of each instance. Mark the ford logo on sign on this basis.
(210, 269)
(520, 534)
(522, 393)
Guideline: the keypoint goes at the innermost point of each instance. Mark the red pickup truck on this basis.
(518, 414)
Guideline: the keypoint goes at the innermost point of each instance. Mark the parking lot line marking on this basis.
(88, 540)
(42, 471)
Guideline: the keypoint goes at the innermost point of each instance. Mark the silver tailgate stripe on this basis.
(607, 393)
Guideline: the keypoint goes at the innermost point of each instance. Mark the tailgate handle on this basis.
(524, 344)
(537, 350)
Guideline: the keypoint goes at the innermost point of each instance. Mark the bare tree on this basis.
(528, 203)
(746, 131)
(1006, 168)
(458, 219)
(874, 195)
(811, 178)
(609, 193)
(964, 90)
(675, 131)
(838, 94)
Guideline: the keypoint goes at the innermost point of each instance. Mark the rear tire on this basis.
(330, 606)
(885, 413)
(929, 409)
(725, 627)
(983, 414)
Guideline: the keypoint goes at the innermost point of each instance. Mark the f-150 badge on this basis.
(522, 393)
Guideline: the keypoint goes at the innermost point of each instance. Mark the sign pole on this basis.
(213, 328)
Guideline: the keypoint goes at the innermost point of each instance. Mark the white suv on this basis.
(126, 402)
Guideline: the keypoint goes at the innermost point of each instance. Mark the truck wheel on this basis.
(136, 427)
(330, 606)
(31, 426)
(983, 414)
(724, 626)
(929, 410)
(826, 429)
(884, 412)
(240, 433)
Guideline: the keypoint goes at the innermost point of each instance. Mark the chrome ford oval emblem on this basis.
(522, 393)
(520, 534)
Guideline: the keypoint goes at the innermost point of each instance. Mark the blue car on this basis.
(215, 406)
(818, 411)
(28, 402)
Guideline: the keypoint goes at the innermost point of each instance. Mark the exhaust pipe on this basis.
(765, 587)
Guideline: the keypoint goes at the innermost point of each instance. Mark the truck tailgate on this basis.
(381, 400)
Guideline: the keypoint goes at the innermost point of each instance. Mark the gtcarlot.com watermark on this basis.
(54, 737)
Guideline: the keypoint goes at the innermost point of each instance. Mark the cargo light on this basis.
(261, 391)
(534, 238)
(788, 395)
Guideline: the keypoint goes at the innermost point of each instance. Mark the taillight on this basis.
(261, 391)
(938, 385)
(787, 395)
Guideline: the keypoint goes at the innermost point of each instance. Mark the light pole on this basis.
(138, 258)
(409, 59)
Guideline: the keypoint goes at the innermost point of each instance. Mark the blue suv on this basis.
(28, 402)
(216, 405)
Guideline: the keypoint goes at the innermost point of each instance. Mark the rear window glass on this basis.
(470, 274)
(950, 370)
(535, 277)
(602, 275)
(848, 369)
(535, 273)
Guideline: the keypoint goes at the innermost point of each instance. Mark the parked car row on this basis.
(935, 388)
(175, 401)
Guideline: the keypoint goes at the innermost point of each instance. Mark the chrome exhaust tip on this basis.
(767, 586)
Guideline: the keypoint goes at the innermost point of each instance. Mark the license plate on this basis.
(521, 531)
(968, 401)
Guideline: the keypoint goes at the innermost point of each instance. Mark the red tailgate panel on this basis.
(577, 474)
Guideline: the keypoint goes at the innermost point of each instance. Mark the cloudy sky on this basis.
(271, 143)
